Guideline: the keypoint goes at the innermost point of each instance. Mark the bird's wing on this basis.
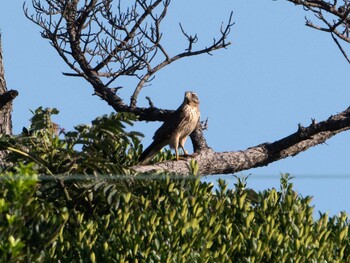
(162, 135)
(170, 126)
(149, 152)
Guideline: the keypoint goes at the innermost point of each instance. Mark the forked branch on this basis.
(333, 17)
(104, 40)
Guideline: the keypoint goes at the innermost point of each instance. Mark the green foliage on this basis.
(103, 147)
(165, 220)
(49, 213)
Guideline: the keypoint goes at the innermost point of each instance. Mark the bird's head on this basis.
(191, 97)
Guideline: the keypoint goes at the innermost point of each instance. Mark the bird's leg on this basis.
(183, 157)
(177, 153)
(185, 152)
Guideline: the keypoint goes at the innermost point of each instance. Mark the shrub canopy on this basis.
(60, 200)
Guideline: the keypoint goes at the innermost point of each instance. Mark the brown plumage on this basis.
(175, 130)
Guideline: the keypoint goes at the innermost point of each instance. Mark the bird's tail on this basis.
(147, 155)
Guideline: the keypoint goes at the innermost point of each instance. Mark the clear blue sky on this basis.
(276, 74)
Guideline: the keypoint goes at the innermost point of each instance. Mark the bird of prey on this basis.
(175, 130)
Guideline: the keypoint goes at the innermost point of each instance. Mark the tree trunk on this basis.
(6, 98)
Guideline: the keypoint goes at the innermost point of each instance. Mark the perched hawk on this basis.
(175, 130)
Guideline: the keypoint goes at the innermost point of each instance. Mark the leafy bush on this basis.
(104, 146)
(165, 220)
(59, 201)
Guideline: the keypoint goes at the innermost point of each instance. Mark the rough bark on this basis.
(211, 162)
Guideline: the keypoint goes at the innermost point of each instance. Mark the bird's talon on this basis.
(184, 156)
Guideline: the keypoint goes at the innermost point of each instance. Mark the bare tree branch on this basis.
(340, 48)
(103, 40)
(211, 162)
(217, 44)
(334, 18)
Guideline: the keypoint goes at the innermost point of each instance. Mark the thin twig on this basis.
(340, 48)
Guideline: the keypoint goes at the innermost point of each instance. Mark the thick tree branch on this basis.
(211, 162)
